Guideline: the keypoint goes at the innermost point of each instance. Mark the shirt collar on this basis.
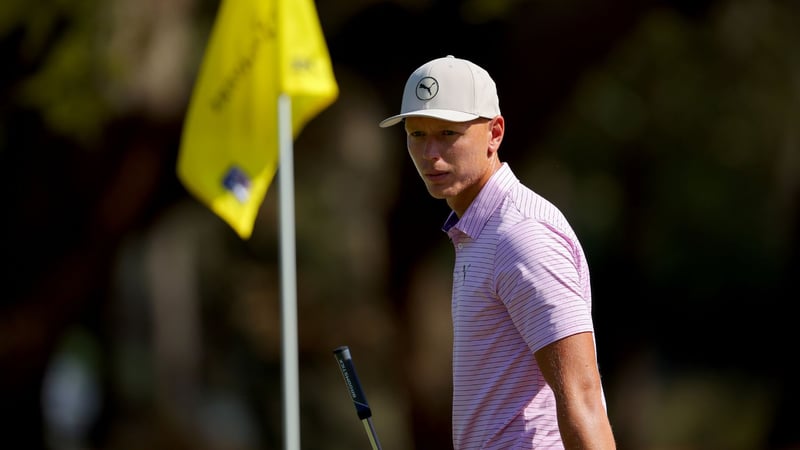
(484, 204)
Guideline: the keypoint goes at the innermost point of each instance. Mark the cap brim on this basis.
(443, 114)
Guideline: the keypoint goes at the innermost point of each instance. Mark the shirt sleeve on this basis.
(538, 278)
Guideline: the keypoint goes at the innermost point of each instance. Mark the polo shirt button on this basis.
(460, 246)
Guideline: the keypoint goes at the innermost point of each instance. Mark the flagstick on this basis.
(291, 390)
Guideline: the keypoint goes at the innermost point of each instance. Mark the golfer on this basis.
(525, 373)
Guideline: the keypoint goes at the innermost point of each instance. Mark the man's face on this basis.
(454, 159)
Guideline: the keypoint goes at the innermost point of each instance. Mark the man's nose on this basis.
(431, 149)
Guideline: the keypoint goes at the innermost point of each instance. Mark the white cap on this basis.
(450, 89)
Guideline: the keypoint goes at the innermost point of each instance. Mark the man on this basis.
(525, 370)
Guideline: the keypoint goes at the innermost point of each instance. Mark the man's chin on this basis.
(439, 194)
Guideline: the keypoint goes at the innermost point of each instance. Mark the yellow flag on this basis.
(258, 49)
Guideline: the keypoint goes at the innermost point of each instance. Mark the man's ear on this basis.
(497, 127)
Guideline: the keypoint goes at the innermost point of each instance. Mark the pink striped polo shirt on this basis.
(520, 282)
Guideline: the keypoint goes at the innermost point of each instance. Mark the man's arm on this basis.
(570, 368)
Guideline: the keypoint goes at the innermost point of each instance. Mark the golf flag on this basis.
(258, 50)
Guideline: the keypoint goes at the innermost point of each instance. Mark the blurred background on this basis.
(131, 317)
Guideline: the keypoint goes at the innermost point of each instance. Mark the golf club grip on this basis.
(345, 361)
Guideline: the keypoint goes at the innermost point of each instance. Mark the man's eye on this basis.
(449, 133)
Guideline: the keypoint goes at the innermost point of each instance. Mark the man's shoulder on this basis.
(527, 212)
(529, 204)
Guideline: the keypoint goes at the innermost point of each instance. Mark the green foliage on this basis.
(60, 42)
(677, 138)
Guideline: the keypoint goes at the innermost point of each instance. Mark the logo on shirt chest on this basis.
(460, 273)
